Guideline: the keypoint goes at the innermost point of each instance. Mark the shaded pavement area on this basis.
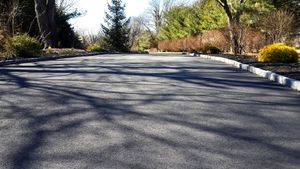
(145, 111)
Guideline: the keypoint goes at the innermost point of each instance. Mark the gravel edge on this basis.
(283, 80)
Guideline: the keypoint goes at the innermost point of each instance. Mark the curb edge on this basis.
(283, 80)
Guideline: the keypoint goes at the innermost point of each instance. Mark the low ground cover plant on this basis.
(62, 51)
(94, 48)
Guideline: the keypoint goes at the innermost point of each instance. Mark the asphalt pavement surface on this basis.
(145, 112)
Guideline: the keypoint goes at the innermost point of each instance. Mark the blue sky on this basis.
(91, 21)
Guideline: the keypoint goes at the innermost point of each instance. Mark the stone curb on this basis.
(45, 58)
(289, 82)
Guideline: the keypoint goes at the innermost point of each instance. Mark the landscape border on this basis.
(283, 80)
(45, 58)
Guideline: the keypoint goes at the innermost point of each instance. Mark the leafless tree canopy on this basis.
(136, 27)
(157, 10)
(9, 11)
(66, 5)
(278, 25)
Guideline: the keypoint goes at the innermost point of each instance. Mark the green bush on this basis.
(22, 46)
(279, 53)
(94, 48)
(210, 49)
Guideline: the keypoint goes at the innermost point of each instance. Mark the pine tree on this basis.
(116, 31)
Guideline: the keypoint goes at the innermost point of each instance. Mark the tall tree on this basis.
(116, 31)
(189, 20)
(234, 9)
(45, 12)
(234, 17)
(67, 37)
(19, 16)
(158, 9)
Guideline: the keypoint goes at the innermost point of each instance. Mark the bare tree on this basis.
(9, 11)
(15, 11)
(157, 10)
(92, 38)
(45, 12)
(153, 19)
(66, 5)
(278, 25)
(136, 27)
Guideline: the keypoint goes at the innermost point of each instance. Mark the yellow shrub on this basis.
(22, 46)
(94, 48)
(279, 53)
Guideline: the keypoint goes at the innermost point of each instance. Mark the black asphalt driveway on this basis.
(145, 112)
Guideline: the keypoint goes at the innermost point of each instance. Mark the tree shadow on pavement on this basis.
(141, 116)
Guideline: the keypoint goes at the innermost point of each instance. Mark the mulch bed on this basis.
(291, 70)
(48, 53)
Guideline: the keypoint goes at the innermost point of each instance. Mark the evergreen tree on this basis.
(45, 14)
(116, 31)
(185, 20)
(67, 37)
(19, 16)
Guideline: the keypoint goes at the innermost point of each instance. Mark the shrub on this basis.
(57, 51)
(216, 38)
(94, 48)
(189, 44)
(210, 49)
(2, 40)
(278, 52)
(22, 46)
(252, 40)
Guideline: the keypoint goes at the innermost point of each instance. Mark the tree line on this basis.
(277, 20)
(46, 20)
(162, 20)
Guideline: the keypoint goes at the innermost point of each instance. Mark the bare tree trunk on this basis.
(45, 11)
(234, 24)
(234, 38)
(51, 9)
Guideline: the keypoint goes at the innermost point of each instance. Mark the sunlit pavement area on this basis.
(145, 111)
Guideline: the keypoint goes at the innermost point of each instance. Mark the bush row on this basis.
(252, 41)
(217, 41)
(25, 46)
